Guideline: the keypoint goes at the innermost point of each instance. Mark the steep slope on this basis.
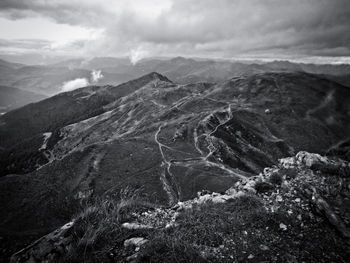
(169, 140)
(12, 98)
(21, 130)
(295, 211)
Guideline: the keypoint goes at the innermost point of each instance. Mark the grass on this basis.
(203, 228)
(234, 231)
(237, 229)
(97, 232)
(97, 229)
(164, 248)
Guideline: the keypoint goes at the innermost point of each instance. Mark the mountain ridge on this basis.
(166, 139)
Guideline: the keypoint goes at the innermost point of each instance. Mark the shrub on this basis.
(263, 187)
(276, 178)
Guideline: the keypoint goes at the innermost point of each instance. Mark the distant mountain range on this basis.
(50, 79)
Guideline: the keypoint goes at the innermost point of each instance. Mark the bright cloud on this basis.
(77, 83)
(96, 75)
(74, 84)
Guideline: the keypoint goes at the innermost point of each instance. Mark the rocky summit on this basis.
(156, 171)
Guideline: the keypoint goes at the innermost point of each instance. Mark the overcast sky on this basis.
(308, 30)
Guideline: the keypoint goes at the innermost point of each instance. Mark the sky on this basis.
(299, 30)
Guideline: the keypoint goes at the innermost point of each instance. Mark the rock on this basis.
(251, 256)
(250, 186)
(315, 161)
(269, 171)
(264, 248)
(283, 226)
(289, 162)
(309, 159)
(134, 226)
(135, 241)
(279, 198)
(285, 185)
(324, 208)
(233, 191)
(132, 258)
(46, 249)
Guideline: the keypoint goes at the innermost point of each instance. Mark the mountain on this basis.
(187, 70)
(12, 98)
(50, 79)
(165, 139)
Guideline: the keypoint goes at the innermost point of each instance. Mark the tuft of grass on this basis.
(97, 229)
(168, 249)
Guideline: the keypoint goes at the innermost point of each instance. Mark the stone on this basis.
(135, 241)
(46, 249)
(279, 198)
(133, 226)
(288, 162)
(283, 226)
(264, 248)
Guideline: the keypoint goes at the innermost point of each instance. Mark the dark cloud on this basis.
(214, 28)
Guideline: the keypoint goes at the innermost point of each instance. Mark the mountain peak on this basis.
(156, 75)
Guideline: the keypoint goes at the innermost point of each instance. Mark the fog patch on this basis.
(137, 54)
(74, 84)
(96, 75)
(77, 83)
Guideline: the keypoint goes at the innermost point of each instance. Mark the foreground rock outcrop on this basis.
(298, 210)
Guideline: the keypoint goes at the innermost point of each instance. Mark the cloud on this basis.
(137, 54)
(221, 28)
(96, 75)
(77, 83)
(74, 84)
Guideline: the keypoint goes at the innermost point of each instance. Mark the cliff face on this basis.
(297, 210)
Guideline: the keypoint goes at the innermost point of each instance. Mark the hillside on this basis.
(166, 140)
(296, 211)
(12, 98)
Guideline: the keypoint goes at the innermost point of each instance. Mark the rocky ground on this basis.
(296, 211)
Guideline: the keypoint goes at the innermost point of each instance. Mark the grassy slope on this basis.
(287, 215)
